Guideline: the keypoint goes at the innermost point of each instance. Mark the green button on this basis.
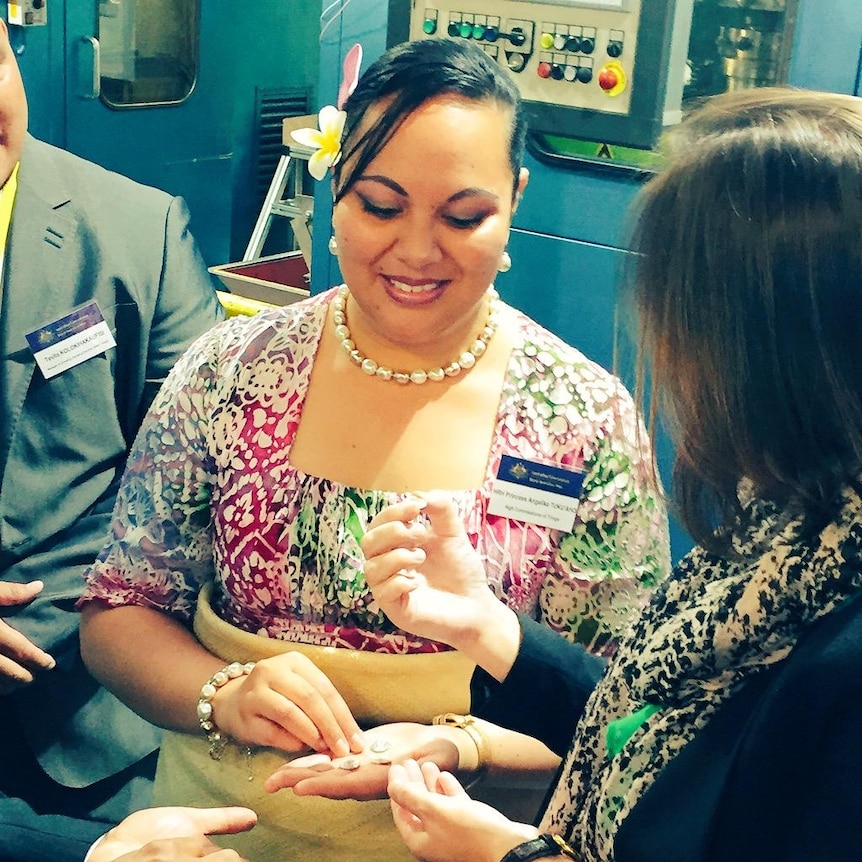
(466, 29)
(429, 26)
(478, 31)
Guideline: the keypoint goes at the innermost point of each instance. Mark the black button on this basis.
(517, 37)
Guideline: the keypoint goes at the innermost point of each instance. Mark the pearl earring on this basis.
(505, 262)
(333, 245)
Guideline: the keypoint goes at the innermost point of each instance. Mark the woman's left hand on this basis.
(364, 775)
(439, 822)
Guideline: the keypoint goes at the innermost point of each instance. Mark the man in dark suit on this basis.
(102, 289)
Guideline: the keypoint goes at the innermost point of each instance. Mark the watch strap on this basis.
(538, 848)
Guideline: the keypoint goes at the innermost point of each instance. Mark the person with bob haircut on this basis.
(235, 555)
(725, 726)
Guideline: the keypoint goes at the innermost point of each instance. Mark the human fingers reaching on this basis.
(20, 658)
(286, 702)
(439, 822)
(175, 833)
(423, 570)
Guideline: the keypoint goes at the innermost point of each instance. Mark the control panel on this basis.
(578, 61)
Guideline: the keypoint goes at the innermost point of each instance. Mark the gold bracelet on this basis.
(468, 724)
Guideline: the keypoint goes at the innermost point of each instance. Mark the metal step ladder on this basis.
(285, 197)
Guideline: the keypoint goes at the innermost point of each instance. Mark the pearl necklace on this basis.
(373, 369)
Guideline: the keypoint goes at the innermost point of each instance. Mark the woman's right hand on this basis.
(286, 702)
(429, 580)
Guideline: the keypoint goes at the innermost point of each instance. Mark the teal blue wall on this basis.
(827, 48)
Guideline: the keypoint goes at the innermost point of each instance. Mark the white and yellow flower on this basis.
(326, 142)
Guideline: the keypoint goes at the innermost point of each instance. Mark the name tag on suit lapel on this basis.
(70, 340)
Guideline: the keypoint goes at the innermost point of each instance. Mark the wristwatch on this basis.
(538, 848)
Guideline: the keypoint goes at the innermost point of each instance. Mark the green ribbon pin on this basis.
(623, 729)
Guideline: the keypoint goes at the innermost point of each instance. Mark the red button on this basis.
(608, 79)
(544, 70)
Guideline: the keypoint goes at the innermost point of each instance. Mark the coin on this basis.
(379, 745)
(349, 763)
(381, 759)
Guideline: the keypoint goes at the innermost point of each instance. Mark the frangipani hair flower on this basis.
(326, 142)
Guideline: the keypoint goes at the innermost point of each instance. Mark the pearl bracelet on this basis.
(217, 740)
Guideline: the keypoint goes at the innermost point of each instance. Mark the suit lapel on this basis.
(38, 277)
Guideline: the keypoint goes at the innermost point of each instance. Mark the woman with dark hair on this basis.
(726, 724)
(235, 554)
(406, 77)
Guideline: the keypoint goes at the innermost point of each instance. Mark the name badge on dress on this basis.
(70, 340)
(536, 493)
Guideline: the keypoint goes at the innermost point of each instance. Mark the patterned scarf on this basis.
(712, 625)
